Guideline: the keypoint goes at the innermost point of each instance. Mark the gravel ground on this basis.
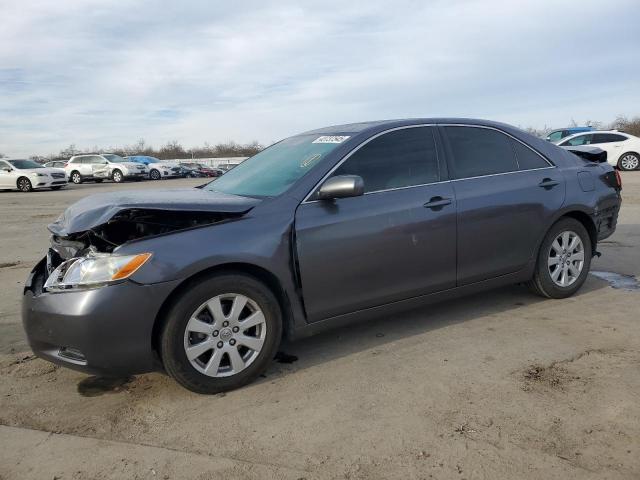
(500, 385)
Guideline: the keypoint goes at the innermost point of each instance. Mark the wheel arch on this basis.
(259, 273)
(588, 224)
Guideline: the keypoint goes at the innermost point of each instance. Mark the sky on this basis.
(104, 73)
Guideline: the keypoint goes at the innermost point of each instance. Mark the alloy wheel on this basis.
(24, 185)
(117, 176)
(76, 178)
(225, 335)
(629, 162)
(566, 258)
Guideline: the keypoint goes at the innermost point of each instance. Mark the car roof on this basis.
(362, 127)
(595, 131)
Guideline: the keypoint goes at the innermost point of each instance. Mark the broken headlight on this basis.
(94, 270)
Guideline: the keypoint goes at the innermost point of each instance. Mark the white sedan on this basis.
(623, 150)
(27, 175)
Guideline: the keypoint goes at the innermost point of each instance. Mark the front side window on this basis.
(480, 151)
(555, 136)
(402, 158)
(577, 141)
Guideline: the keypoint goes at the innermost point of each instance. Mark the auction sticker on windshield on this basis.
(331, 139)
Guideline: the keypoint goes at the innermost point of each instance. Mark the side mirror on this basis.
(341, 186)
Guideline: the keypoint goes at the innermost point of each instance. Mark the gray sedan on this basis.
(327, 227)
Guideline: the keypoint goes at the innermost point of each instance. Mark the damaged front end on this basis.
(125, 226)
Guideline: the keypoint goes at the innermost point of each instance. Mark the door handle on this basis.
(437, 203)
(548, 183)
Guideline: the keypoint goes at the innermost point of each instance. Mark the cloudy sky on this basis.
(104, 73)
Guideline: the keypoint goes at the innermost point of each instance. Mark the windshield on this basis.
(272, 171)
(23, 164)
(113, 158)
(147, 159)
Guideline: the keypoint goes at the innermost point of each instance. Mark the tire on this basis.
(98, 180)
(629, 161)
(155, 175)
(57, 188)
(177, 333)
(24, 184)
(117, 176)
(76, 177)
(551, 257)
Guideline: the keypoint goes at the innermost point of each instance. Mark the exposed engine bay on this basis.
(126, 226)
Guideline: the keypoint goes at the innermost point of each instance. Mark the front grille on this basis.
(58, 175)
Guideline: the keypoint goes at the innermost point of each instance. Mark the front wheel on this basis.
(24, 184)
(628, 161)
(221, 333)
(76, 178)
(117, 176)
(563, 261)
(155, 175)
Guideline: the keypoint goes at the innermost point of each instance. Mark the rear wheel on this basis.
(221, 333)
(24, 184)
(76, 177)
(117, 176)
(629, 161)
(563, 261)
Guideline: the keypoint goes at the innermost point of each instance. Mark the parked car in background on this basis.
(157, 169)
(81, 168)
(27, 175)
(205, 282)
(99, 167)
(623, 150)
(203, 170)
(227, 166)
(56, 164)
(556, 135)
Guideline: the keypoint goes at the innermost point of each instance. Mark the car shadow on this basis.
(378, 331)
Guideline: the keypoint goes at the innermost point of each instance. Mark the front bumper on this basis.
(111, 326)
(47, 182)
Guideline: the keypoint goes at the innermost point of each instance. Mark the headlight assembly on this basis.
(94, 270)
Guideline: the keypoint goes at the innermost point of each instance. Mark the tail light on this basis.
(613, 179)
(618, 179)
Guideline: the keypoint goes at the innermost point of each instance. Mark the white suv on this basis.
(623, 150)
(103, 166)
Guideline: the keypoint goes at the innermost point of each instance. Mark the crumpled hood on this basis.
(98, 209)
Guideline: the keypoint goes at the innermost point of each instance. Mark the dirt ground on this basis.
(501, 385)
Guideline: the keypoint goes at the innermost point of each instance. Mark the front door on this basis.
(395, 242)
(7, 176)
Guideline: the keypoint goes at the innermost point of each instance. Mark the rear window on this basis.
(480, 151)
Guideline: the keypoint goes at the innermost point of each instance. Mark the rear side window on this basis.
(527, 158)
(480, 151)
(402, 158)
(608, 138)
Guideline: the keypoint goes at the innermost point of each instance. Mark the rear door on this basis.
(612, 143)
(506, 194)
(394, 242)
